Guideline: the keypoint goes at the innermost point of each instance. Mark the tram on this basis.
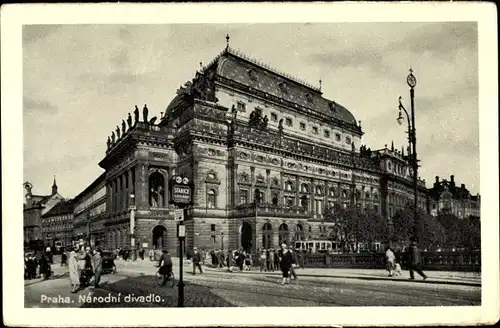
(318, 246)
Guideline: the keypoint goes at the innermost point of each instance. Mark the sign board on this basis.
(181, 194)
(179, 215)
(181, 231)
(144, 245)
(181, 190)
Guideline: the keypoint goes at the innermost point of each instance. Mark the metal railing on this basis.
(446, 261)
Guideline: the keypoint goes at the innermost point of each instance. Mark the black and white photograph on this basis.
(258, 165)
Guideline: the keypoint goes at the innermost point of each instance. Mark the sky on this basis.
(80, 81)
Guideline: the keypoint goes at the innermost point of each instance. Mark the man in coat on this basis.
(196, 261)
(97, 267)
(415, 260)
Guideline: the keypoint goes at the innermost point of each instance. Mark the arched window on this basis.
(259, 196)
(304, 202)
(299, 232)
(267, 236)
(283, 234)
(211, 198)
(331, 192)
(319, 190)
(367, 195)
(275, 199)
(288, 186)
(345, 194)
(156, 190)
(304, 188)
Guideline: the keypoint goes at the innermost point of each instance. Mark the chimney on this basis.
(437, 179)
(452, 180)
(462, 186)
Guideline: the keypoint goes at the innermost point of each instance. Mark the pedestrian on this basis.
(276, 260)
(230, 261)
(271, 259)
(285, 264)
(87, 271)
(151, 255)
(415, 260)
(97, 267)
(196, 261)
(302, 255)
(390, 260)
(74, 270)
(141, 253)
(48, 251)
(263, 261)
(64, 258)
(294, 264)
(240, 260)
(165, 265)
(44, 267)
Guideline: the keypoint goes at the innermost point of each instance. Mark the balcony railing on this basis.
(270, 210)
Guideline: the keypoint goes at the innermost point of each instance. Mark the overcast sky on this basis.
(80, 81)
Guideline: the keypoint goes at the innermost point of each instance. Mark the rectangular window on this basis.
(274, 117)
(243, 196)
(315, 129)
(337, 136)
(241, 106)
(327, 134)
(302, 126)
(288, 121)
(212, 227)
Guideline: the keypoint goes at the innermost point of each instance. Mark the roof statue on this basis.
(145, 112)
(129, 121)
(124, 127)
(113, 137)
(117, 132)
(152, 121)
(108, 143)
(136, 114)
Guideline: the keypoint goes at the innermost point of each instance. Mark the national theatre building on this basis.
(266, 152)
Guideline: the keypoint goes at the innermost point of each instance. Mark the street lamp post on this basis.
(412, 139)
(222, 239)
(88, 228)
(132, 227)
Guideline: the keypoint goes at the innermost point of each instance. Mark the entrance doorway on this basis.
(246, 236)
(159, 237)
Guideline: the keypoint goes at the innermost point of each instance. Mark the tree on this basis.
(428, 231)
(353, 225)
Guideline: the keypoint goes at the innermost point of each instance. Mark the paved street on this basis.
(134, 285)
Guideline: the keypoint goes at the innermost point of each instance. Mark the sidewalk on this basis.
(434, 277)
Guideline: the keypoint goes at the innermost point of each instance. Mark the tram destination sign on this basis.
(180, 190)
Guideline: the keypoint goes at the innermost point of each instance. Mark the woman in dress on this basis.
(285, 263)
(74, 270)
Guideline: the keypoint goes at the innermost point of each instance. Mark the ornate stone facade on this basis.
(266, 153)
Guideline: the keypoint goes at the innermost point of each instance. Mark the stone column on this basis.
(141, 186)
(269, 197)
(108, 198)
(130, 183)
(297, 191)
(312, 200)
(252, 187)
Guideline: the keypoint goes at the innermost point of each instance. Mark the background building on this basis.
(34, 207)
(90, 213)
(57, 224)
(447, 198)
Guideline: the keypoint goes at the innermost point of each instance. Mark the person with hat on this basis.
(165, 265)
(74, 269)
(196, 260)
(285, 263)
(97, 267)
(415, 260)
